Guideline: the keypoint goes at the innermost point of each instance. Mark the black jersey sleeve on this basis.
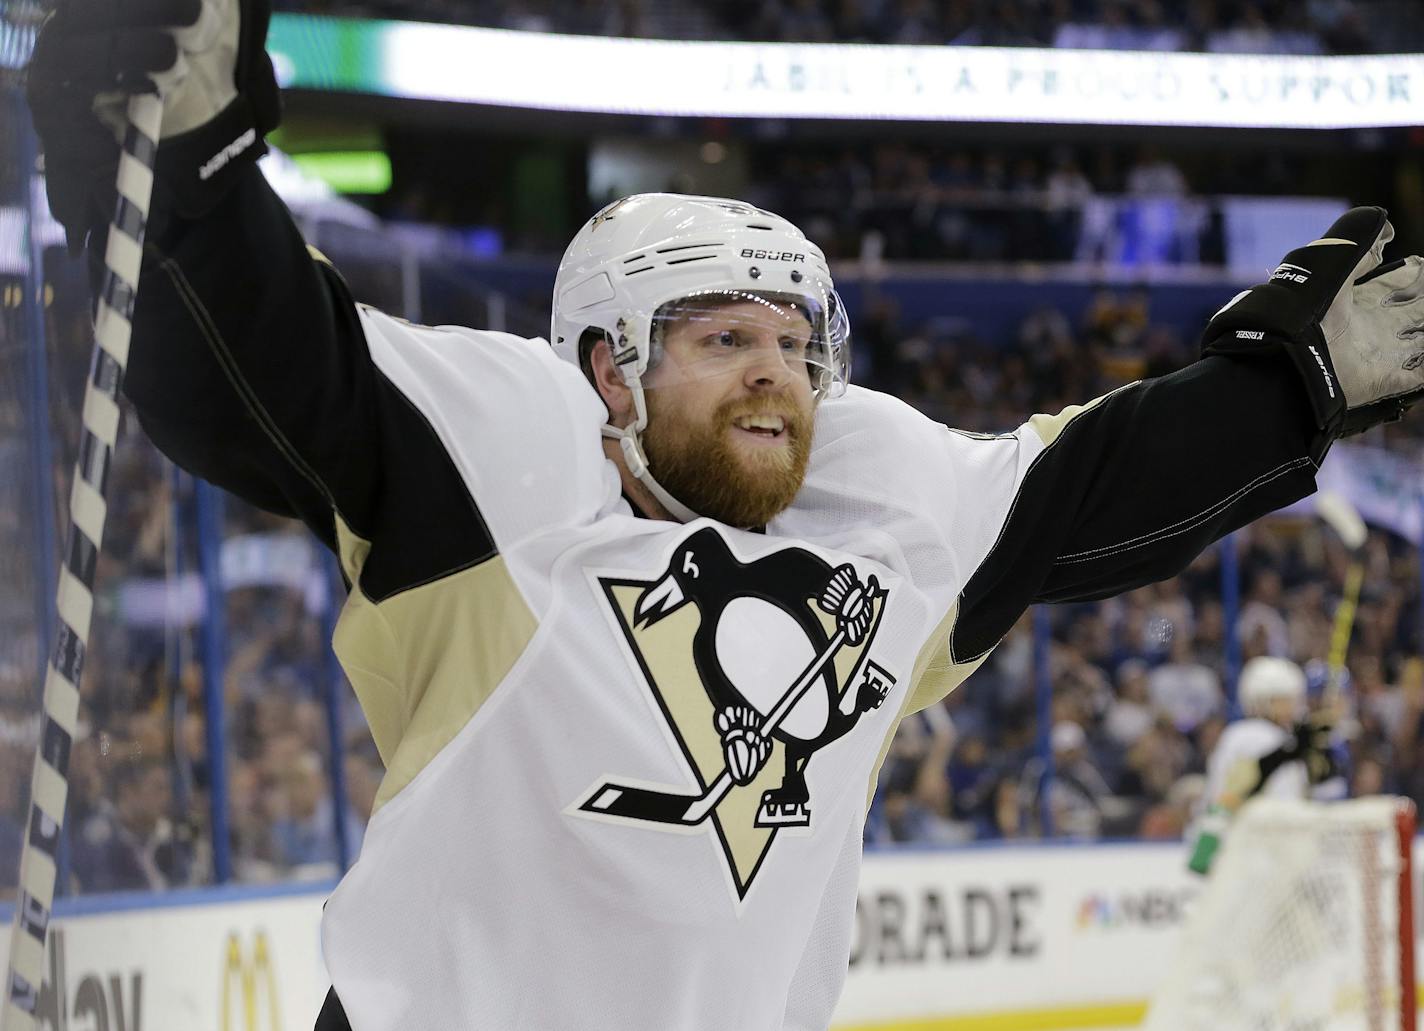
(248, 367)
(1129, 489)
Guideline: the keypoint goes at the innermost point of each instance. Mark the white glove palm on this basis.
(1376, 334)
(199, 84)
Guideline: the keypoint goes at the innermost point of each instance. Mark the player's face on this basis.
(730, 411)
(1284, 711)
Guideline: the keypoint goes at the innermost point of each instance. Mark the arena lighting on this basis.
(16, 42)
(844, 81)
(360, 171)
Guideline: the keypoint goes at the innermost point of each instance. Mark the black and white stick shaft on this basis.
(75, 598)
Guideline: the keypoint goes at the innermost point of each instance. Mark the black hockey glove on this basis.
(1313, 743)
(220, 99)
(1354, 328)
(1309, 743)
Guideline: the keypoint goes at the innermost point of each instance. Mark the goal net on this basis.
(1306, 924)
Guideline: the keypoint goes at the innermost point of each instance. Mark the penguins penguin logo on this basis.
(756, 666)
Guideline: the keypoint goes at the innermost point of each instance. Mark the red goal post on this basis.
(1405, 823)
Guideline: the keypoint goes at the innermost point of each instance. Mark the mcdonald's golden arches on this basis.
(255, 985)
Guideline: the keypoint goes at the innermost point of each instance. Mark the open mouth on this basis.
(769, 428)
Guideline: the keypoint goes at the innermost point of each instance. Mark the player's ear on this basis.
(608, 381)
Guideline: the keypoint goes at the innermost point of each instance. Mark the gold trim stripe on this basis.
(1050, 427)
(422, 662)
(1057, 1018)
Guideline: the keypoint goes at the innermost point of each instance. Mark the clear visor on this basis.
(711, 333)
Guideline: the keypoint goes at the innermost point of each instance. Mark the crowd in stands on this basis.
(140, 800)
(1131, 205)
(1140, 688)
(1139, 699)
(914, 202)
(140, 769)
(1214, 26)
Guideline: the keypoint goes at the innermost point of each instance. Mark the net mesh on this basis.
(1300, 927)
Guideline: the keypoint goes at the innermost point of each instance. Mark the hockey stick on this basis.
(1342, 517)
(49, 785)
(656, 806)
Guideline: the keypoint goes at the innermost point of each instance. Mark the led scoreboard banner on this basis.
(844, 81)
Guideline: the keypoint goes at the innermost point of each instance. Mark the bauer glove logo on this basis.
(1291, 273)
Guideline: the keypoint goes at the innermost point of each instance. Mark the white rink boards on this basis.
(225, 961)
(987, 938)
(1047, 936)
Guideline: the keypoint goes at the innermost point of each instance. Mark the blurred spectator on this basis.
(1168, 820)
(1067, 191)
(1260, 627)
(1182, 689)
(1155, 762)
(919, 794)
(1078, 795)
(1131, 714)
(1152, 175)
(250, 828)
(129, 842)
(972, 778)
(304, 831)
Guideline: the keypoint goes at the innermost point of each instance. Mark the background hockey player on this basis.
(1277, 749)
(628, 760)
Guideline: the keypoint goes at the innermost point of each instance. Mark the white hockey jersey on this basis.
(1245, 741)
(558, 845)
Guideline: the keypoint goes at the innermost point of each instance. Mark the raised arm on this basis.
(1130, 488)
(248, 363)
(249, 366)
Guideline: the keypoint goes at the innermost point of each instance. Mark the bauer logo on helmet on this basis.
(762, 255)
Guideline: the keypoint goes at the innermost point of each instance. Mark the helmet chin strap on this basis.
(630, 442)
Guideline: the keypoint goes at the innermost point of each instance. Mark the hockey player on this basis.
(627, 765)
(1273, 750)
(1260, 753)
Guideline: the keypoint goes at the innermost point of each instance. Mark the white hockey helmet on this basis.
(1267, 678)
(644, 253)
